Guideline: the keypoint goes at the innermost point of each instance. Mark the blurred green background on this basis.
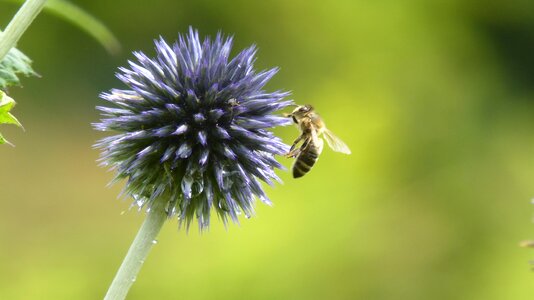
(435, 98)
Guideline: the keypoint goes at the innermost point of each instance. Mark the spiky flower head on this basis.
(194, 129)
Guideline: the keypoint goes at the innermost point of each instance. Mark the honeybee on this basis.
(311, 127)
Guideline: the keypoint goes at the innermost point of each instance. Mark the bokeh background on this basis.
(435, 98)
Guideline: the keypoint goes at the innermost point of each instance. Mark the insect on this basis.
(311, 127)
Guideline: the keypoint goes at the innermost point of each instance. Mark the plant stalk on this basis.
(143, 242)
(20, 22)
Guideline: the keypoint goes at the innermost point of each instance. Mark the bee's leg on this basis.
(294, 153)
(293, 150)
(292, 117)
(309, 137)
(303, 147)
(306, 143)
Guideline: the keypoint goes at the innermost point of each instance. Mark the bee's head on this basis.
(302, 110)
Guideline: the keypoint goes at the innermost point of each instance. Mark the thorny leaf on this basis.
(14, 64)
(6, 104)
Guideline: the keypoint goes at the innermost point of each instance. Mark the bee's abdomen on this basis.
(305, 161)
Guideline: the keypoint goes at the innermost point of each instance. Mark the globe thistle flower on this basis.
(193, 128)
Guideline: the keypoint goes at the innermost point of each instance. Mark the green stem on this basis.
(143, 242)
(20, 22)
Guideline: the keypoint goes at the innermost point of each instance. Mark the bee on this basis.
(311, 127)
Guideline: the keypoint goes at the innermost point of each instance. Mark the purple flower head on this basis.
(193, 129)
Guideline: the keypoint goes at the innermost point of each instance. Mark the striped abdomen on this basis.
(306, 159)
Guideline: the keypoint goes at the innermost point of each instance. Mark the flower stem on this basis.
(20, 22)
(143, 242)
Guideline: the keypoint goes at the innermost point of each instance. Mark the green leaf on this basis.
(6, 104)
(14, 64)
(83, 20)
(9, 119)
(4, 141)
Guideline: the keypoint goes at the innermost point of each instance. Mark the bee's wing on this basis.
(335, 143)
